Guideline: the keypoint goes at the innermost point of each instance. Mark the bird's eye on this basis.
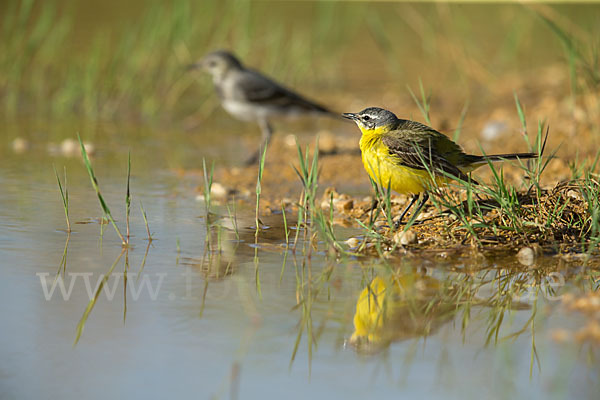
(212, 64)
(366, 118)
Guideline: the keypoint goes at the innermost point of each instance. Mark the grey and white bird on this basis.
(248, 95)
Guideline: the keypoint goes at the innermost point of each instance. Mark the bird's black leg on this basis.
(266, 133)
(412, 202)
(422, 203)
(266, 130)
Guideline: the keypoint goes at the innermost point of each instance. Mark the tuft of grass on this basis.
(208, 181)
(149, 235)
(522, 118)
(285, 226)
(233, 219)
(261, 168)
(64, 195)
(94, 181)
(310, 215)
(257, 222)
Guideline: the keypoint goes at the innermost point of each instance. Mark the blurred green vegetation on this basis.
(110, 60)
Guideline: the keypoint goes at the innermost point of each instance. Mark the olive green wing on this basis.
(418, 146)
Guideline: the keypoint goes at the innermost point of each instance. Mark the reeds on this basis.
(139, 70)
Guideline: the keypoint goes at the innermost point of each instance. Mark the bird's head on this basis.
(373, 120)
(217, 64)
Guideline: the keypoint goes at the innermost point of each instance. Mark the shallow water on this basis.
(174, 320)
(177, 330)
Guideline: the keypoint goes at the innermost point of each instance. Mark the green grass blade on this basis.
(94, 181)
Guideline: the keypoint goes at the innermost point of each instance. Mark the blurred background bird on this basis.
(248, 95)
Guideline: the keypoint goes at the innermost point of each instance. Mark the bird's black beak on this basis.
(351, 116)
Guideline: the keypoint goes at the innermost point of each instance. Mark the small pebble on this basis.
(352, 242)
(20, 145)
(289, 140)
(330, 192)
(493, 130)
(344, 205)
(89, 148)
(405, 238)
(399, 200)
(218, 190)
(424, 215)
(329, 196)
(69, 147)
(325, 204)
(527, 256)
(574, 194)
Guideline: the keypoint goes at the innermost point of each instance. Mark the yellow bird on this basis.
(410, 158)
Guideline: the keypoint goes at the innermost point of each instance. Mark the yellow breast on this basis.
(383, 169)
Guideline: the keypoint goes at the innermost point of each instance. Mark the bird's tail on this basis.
(313, 107)
(478, 161)
(510, 156)
(325, 111)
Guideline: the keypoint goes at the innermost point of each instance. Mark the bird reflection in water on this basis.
(399, 307)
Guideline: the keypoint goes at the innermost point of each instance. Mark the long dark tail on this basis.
(473, 161)
(320, 109)
(509, 156)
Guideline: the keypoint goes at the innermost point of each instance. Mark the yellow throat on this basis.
(384, 169)
(371, 136)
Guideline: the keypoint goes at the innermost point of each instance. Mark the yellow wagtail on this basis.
(248, 95)
(409, 157)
